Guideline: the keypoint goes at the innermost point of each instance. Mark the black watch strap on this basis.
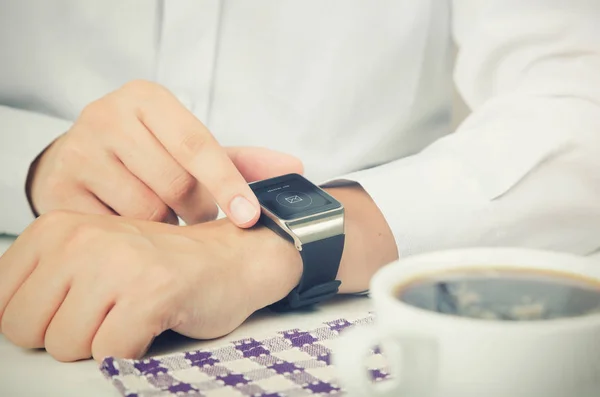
(321, 261)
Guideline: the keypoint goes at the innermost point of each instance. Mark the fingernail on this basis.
(242, 210)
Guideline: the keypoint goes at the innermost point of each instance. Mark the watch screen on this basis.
(292, 196)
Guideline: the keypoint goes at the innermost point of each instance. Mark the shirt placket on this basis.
(187, 51)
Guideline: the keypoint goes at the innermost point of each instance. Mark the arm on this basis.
(201, 281)
(523, 170)
(23, 135)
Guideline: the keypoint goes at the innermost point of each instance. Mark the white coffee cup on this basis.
(441, 355)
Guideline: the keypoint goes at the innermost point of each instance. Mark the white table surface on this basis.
(30, 373)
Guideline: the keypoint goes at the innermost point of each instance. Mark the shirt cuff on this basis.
(440, 198)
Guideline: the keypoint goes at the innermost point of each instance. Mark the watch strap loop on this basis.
(321, 261)
(309, 297)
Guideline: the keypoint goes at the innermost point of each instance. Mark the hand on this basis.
(88, 285)
(138, 152)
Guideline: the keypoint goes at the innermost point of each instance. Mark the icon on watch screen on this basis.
(293, 199)
(296, 200)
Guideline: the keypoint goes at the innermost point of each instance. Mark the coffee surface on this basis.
(508, 295)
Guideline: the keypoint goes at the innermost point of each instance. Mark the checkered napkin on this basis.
(290, 363)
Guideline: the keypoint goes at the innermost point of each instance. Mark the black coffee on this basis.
(500, 294)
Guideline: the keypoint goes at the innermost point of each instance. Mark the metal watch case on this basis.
(308, 228)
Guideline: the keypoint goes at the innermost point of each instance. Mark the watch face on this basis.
(292, 196)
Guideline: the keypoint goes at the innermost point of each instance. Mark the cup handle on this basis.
(412, 358)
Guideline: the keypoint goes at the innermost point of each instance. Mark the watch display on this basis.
(292, 196)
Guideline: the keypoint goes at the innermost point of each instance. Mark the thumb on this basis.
(256, 163)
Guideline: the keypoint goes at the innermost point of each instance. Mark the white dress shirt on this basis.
(359, 90)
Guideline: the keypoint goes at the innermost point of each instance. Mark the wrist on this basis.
(268, 266)
(274, 266)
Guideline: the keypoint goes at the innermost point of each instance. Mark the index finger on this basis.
(193, 146)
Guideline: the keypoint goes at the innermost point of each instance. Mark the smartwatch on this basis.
(313, 221)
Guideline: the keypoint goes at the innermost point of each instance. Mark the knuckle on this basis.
(181, 187)
(160, 213)
(193, 144)
(56, 186)
(51, 221)
(139, 203)
(94, 111)
(103, 115)
(152, 210)
(72, 154)
(140, 87)
(227, 187)
(81, 236)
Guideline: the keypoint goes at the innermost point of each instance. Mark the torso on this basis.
(344, 85)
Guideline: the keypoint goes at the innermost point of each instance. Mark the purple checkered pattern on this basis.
(290, 363)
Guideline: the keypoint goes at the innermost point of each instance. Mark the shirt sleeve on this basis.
(524, 168)
(23, 136)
